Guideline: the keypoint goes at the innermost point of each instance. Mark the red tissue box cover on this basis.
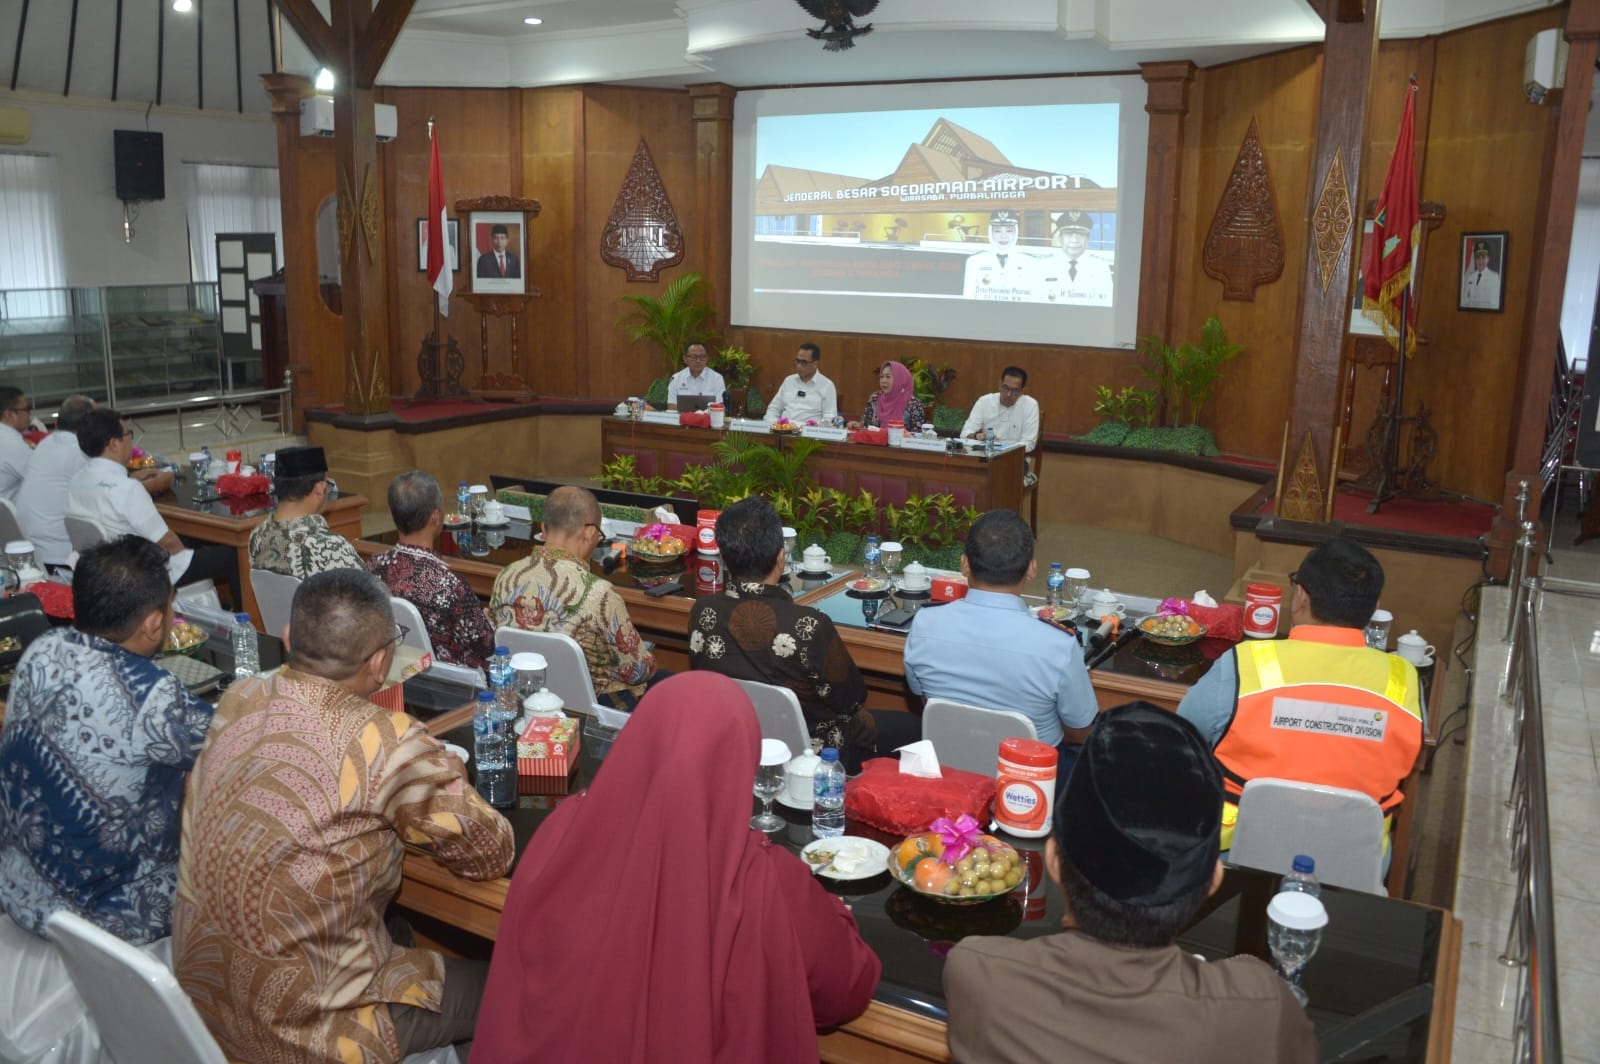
(694, 419)
(874, 436)
(886, 799)
(238, 487)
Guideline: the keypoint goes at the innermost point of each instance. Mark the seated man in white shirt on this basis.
(16, 410)
(1013, 416)
(102, 492)
(42, 499)
(695, 378)
(805, 395)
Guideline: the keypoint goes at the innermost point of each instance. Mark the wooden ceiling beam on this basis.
(382, 31)
(1342, 10)
(314, 31)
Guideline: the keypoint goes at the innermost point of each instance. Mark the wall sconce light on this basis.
(324, 81)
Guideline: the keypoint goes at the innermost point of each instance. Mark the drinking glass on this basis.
(1377, 630)
(1294, 931)
(889, 555)
(1077, 583)
(769, 782)
(197, 467)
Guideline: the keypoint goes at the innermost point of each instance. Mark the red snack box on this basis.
(548, 746)
(946, 588)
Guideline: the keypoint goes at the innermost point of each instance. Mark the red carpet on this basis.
(1464, 520)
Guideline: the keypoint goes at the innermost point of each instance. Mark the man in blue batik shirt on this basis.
(97, 744)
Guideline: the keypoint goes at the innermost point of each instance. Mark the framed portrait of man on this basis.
(452, 243)
(499, 265)
(1483, 265)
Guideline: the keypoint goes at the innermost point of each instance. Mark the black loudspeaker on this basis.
(141, 174)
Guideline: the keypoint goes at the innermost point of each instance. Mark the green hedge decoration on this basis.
(949, 419)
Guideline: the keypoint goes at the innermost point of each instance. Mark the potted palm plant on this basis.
(738, 369)
(681, 315)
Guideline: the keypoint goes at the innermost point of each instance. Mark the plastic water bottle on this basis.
(1054, 583)
(463, 498)
(871, 557)
(500, 677)
(493, 754)
(988, 442)
(827, 789)
(246, 656)
(1302, 877)
(207, 452)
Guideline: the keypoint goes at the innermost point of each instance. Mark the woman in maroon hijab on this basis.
(895, 400)
(646, 921)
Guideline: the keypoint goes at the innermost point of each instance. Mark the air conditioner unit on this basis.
(316, 118)
(16, 124)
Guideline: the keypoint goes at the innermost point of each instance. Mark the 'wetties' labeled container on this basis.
(1262, 604)
(1025, 792)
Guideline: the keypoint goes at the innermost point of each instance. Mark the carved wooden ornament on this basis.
(1332, 219)
(1245, 245)
(1302, 496)
(370, 221)
(642, 234)
(347, 216)
(368, 398)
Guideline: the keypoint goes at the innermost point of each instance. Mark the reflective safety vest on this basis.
(1322, 707)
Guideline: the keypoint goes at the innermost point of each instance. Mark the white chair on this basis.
(568, 674)
(778, 710)
(10, 522)
(42, 1018)
(83, 533)
(1341, 829)
(274, 597)
(969, 737)
(139, 1006)
(407, 615)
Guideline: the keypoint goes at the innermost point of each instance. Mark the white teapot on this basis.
(797, 778)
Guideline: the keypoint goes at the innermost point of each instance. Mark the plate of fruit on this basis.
(1171, 629)
(185, 637)
(959, 873)
(785, 425)
(659, 542)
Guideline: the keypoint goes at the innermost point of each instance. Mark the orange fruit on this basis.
(934, 843)
(931, 874)
(910, 852)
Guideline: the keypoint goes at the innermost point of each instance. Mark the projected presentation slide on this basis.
(1010, 204)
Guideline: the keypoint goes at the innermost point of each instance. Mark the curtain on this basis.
(229, 199)
(30, 253)
(1583, 267)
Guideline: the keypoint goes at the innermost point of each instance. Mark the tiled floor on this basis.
(1569, 666)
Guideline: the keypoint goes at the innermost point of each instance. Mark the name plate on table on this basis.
(826, 433)
(749, 424)
(659, 417)
(917, 443)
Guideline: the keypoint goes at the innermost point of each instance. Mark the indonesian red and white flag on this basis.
(438, 245)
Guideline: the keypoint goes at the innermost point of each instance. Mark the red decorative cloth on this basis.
(886, 799)
(646, 921)
(238, 487)
(694, 420)
(880, 437)
(56, 599)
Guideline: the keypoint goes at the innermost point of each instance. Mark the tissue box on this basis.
(946, 588)
(548, 746)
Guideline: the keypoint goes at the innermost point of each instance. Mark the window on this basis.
(30, 254)
(229, 199)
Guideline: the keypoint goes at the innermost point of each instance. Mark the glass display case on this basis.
(118, 343)
(53, 342)
(163, 340)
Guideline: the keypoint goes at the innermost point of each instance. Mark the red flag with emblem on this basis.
(438, 242)
(1390, 253)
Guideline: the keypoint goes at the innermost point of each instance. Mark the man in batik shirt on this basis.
(552, 590)
(292, 844)
(295, 539)
(755, 631)
(96, 745)
(457, 625)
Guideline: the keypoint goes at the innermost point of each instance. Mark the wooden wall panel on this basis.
(614, 119)
(478, 143)
(1487, 146)
(1249, 406)
(552, 173)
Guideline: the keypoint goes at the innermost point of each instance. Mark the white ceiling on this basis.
(158, 55)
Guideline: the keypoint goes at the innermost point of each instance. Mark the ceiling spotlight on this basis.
(530, 20)
(324, 76)
(182, 7)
